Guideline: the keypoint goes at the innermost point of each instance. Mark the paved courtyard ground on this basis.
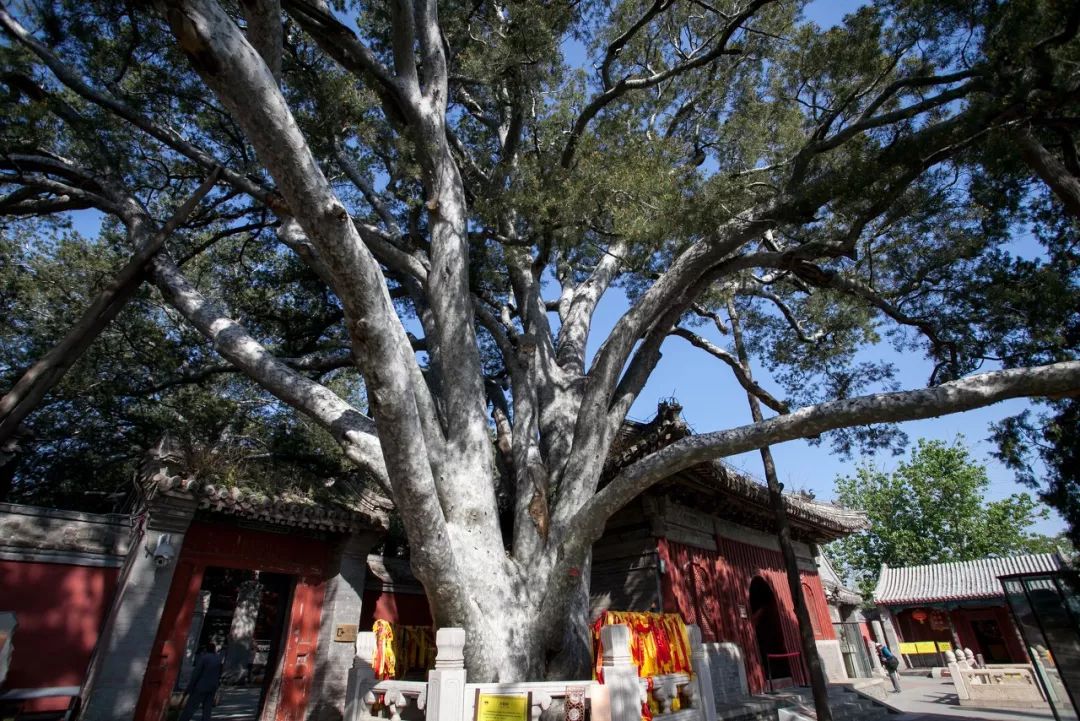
(934, 699)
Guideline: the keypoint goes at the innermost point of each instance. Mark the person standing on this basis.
(203, 687)
(891, 663)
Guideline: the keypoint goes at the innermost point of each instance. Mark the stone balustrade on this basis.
(1013, 686)
(446, 696)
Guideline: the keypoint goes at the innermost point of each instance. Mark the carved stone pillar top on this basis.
(365, 646)
(616, 642)
(450, 645)
(693, 632)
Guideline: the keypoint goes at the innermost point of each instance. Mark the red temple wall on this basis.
(59, 608)
(408, 609)
(964, 621)
(712, 589)
(965, 618)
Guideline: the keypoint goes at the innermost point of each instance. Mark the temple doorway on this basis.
(279, 581)
(991, 641)
(765, 616)
(242, 612)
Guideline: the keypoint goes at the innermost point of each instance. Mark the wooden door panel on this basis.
(299, 664)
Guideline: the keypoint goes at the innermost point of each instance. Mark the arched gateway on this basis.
(768, 633)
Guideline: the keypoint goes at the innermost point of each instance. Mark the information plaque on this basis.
(502, 707)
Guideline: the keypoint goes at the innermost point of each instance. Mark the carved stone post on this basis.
(191, 650)
(446, 682)
(892, 639)
(957, 678)
(361, 678)
(620, 673)
(699, 662)
(341, 607)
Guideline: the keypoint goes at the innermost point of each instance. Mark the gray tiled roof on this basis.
(957, 581)
(338, 511)
(636, 440)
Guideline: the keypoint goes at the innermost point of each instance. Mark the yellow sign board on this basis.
(499, 707)
(908, 649)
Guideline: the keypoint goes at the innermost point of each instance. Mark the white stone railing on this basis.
(394, 698)
(543, 694)
(447, 697)
(997, 685)
(667, 688)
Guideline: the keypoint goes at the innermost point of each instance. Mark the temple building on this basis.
(928, 609)
(111, 610)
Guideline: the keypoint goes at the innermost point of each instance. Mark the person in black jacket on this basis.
(203, 686)
(891, 663)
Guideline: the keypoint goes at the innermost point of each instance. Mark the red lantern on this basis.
(920, 615)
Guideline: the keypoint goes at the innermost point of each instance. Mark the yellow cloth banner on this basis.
(926, 647)
(908, 648)
(659, 645)
(401, 649)
(944, 646)
(659, 642)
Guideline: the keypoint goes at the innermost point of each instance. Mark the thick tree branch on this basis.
(574, 332)
(264, 31)
(974, 391)
(411, 441)
(1057, 177)
(353, 431)
(28, 391)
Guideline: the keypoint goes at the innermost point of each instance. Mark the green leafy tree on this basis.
(1054, 439)
(932, 509)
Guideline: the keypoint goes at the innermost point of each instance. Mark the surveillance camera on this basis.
(164, 552)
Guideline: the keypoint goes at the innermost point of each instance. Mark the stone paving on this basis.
(934, 699)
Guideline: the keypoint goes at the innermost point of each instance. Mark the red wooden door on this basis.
(298, 667)
(168, 651)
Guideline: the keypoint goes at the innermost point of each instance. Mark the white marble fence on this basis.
(447, 695)
(1009, 685)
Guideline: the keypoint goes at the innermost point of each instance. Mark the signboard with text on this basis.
(502, 707)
